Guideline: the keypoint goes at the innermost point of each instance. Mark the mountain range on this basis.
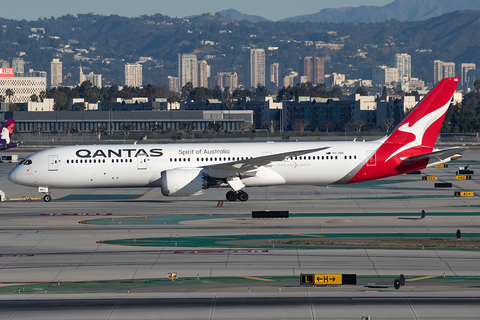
(401, 10)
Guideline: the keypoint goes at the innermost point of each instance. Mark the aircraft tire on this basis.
(242, 196)
(47, 198)
(231, 196)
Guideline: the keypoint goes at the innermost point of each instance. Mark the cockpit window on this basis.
(27, 162)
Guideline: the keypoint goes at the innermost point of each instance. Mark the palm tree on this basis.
(42, 95)
(9, 93)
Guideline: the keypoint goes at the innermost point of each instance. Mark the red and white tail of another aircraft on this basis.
(190, 169)
(6, 135)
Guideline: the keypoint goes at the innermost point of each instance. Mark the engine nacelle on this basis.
(183, 182)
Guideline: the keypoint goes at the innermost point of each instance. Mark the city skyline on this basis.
(273, 10)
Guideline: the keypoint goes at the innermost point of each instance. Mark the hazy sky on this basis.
(269, 9)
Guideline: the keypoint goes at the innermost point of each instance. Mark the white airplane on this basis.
(189, 169)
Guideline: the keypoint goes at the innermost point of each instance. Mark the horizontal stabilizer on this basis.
(437, 156)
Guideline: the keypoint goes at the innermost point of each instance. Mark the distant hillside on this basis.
(103, 44)
(402, 10)
(235, 15)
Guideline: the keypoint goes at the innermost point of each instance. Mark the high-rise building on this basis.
(173, 84)
(187, 69)
(442, 70)
(384, 75)
(275, 74)
(56, 75)
(18, 66)
(437, 71)
(95, 79)
(202, 74)
(231, 80)
(4, 64)
(403, 63)
(318, 70)
(257, 67)
(467, 72)
(308, 68)
(448, 69)
(133, 75)
(313, 69)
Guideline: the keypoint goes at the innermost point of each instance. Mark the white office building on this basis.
(187, 69)
(56, 76)
(23, 88)
(403, 63)
(133, 75)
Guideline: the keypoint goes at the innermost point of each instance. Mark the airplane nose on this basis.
(12, 177)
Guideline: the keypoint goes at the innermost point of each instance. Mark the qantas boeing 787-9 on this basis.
(189, 169)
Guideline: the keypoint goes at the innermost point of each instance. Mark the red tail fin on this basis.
(415, 135)
(422, 125)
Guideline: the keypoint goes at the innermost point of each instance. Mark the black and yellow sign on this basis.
(443, 165)
(463, 177)
(430, 178)
(464, 193)
(328, 279)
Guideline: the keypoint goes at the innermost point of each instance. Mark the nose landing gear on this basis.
(47, 197)
(239, 195)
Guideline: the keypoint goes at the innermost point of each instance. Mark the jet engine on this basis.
(182, 182)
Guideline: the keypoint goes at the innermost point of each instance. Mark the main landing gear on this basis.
(239, 195)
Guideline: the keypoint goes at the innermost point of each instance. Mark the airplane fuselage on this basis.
(97, 166)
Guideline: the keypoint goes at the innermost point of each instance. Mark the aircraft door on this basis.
(141, 162)
(372, 161)
(52, 163)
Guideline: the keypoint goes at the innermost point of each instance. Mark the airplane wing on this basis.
(439, 155)
(240, 166)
